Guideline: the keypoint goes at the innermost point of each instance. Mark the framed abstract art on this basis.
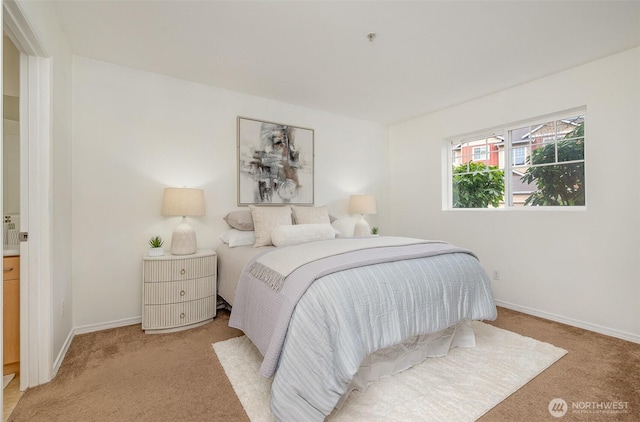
(275, 163)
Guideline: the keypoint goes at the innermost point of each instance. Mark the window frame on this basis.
(504, 132)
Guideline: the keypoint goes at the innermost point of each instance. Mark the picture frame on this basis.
(275, 163)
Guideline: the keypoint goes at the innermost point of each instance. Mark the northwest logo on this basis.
(558, 408)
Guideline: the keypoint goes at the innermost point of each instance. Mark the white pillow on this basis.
(234, 238)
(265, 219)
(289, 235)
(344, 226)
(310, 215)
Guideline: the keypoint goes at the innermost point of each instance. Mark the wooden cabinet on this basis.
(11, 314)
(179, 291)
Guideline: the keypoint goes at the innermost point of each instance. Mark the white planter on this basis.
(156, 251)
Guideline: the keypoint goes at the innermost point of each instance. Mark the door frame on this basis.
(35, 199)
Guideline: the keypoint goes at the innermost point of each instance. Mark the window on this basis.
(480, 153)
(518, 156)
(477, 183)
(540, 164)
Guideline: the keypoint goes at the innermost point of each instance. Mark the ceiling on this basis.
(427, 55)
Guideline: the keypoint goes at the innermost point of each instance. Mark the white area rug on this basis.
(461, 386)
(7, 379)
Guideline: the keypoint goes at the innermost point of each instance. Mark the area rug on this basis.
(461, 386)
(7, 379)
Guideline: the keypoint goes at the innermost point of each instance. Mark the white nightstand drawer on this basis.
(175, 315)
(178, 269)
(178, 291)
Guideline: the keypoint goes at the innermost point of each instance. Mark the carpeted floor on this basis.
(597, 370)
(125, 375)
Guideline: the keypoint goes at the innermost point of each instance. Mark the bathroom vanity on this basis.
(11, 315)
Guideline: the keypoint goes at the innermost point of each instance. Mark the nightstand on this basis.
(178, 291)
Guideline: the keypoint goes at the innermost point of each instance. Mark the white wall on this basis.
(135, 133)
(10, 68)
(579, 267)
(11, 168)
(11, 128)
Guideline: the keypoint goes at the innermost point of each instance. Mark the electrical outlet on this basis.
(62, 308)
(496, 275)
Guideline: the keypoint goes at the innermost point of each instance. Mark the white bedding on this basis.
(231, 262)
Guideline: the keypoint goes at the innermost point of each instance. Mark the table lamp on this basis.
(183, 202)
(362, 204)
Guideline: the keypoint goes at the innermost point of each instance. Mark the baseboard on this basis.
(573, 322)
(107, 325)
(63, 352)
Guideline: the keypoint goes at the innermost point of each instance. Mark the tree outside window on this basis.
(558, 173)
(477, 185)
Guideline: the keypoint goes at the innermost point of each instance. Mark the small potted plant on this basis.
(156, 249)
(374, 231)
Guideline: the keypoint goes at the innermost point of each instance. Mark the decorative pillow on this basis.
(310, 215)
(344, 226)
(234, 238)
(240, 220)
(289, 235)
(265, 219)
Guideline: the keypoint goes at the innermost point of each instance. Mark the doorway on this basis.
(34, 221)
(11, 215)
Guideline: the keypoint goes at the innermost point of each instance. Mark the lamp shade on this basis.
(182, 201)
(362, 204)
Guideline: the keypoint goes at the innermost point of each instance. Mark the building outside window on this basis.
(480, 153)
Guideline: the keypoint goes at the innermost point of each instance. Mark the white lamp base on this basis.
(183, 239)
(362, 228)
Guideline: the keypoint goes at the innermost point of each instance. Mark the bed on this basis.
(350, 327)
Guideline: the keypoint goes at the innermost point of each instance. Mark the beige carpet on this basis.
(461, 386)
(125, 375)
